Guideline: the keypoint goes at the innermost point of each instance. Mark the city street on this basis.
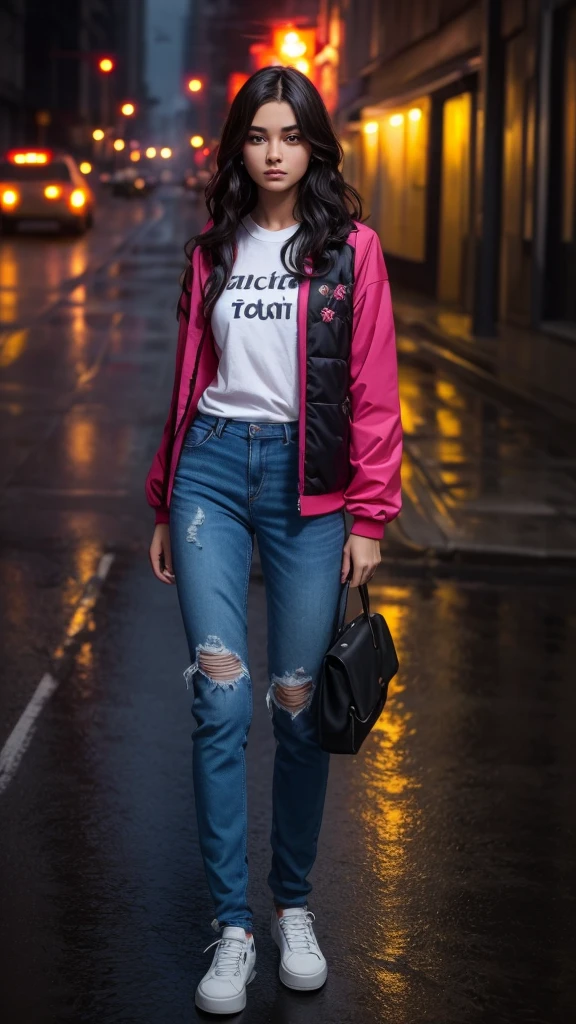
(444, 886)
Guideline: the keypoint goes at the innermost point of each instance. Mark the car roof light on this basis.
(23, 156)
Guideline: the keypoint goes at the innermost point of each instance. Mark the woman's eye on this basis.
(255, 138)
(293, 138)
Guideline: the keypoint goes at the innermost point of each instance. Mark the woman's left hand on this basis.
(364, 554)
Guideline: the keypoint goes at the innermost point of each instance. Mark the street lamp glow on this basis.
(165, 152)
(98, 134)
(128, 109)
(119, 145)
(415, 114)
(196, 141)
(194, 85)
(106, 65)
(371, 127)
(135, 155)
(396, 120)
(151, 152)
(85, 167)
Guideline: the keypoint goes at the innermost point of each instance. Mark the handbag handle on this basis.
(365, 598)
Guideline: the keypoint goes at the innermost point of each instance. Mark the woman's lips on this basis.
(275, 174)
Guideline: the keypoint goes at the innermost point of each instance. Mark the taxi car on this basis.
(43, 185)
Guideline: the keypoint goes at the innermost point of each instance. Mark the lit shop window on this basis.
(394, 178)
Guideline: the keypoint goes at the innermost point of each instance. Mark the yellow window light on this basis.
(135, 155)
(78, 199)
(415, 114)
(371, 127)
(9, 198)
(119, 145)
(396, 120)
(98, 135)
(151, 152)
(52, 191)
(196, 141)
(85, 167)
(165, 152)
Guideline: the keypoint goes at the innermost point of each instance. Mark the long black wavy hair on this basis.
(326, 205)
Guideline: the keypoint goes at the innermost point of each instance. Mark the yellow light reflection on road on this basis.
(412, 408)
(12, 347)
(449, 425)
(81, 441)
(447, 391)
(388, 807)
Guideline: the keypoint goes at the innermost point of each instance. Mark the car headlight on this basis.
(10, 198)
(78, 199)
(52, 191)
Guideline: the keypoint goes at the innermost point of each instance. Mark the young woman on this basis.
(284, 415)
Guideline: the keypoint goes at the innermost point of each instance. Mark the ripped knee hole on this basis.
(219, 667)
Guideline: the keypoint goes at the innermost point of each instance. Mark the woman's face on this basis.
(275, 154)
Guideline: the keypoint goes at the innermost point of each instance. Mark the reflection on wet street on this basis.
(443, 889)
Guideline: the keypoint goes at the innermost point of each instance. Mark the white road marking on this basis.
(20, 738)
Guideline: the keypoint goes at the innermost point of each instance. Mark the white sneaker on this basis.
(302, 964)
(223, 987)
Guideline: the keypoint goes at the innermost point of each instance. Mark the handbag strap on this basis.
(342, 605)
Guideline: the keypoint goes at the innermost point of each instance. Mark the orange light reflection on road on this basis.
(80, 443)
(9, 284)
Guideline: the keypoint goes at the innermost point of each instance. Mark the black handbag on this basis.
(354, 678)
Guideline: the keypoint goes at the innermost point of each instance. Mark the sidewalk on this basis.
(534, 365)
(490, 465)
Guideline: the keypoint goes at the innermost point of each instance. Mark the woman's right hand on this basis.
(161, 554)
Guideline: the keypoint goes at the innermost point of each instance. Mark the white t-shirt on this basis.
(254, 323)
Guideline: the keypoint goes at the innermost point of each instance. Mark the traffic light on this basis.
(296, 47)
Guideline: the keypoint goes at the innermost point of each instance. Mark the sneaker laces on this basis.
(297, 930)
(228, 956)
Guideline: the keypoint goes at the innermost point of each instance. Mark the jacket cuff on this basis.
(367, 528)
(162, 516)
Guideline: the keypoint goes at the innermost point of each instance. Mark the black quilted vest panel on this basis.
(328, 340)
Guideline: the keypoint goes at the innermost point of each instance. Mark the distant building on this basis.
(11, 71)
(51, 91)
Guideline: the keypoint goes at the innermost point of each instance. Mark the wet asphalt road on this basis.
(444, 885)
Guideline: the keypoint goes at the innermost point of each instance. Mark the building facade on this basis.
(458, 121)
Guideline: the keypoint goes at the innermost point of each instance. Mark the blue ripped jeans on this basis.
(236, 480)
